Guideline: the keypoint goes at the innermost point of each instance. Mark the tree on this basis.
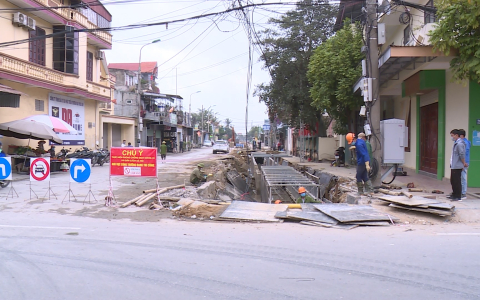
(287, 49)
(333, 70)
(208, 119)
(459, 29)
(228, 122)
(254, 132)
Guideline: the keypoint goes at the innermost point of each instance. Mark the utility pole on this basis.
(202, 128)
(372, 63)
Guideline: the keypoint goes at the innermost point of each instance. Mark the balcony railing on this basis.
(30, 70)
(75, 16)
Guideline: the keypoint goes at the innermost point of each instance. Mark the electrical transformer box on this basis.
(393, 133)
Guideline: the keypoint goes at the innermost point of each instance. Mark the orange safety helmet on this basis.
(350, 136)
(301, 190)
(278, 201)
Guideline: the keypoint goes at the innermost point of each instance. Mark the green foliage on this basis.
(334, 68)
(208, 118)
(255, 131)
(459, 28)
(287, 50)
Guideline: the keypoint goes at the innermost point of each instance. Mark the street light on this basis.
(139, 83)
(190, 106)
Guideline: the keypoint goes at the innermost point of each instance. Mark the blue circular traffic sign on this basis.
(80, 170)
(5, 168)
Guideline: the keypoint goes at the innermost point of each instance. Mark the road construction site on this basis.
(243, 187)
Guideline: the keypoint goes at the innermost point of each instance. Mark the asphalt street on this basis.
(46, 255)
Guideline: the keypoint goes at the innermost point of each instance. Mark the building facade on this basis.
(59, 71)
(416, 85)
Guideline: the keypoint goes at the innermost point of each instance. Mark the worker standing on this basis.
(163, 151)
(363, 162)
(197, 175)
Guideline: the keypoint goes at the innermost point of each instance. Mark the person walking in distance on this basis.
(163, 151)
(363, 162)
(457, 164)
(468, 145)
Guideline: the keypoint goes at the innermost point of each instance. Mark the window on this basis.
(65, 49)
(36, 46)
(406, 35)
(39, 105)
(9, 100)
(89, 66)
(429, 17)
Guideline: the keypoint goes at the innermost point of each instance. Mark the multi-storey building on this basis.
(159, 117)
(416, 86)
(59, 68)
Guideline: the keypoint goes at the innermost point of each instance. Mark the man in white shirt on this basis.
(124, 143)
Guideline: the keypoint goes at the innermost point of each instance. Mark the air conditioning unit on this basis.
(100, 55)
(20, 19)
(32, 24)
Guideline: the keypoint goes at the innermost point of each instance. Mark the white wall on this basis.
(457, 107)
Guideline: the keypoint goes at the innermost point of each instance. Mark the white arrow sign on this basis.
(75, 170)
(3, 170)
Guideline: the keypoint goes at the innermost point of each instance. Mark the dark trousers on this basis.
(456, 181)
(362, 174)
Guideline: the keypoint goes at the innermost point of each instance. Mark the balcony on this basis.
(70, 15)
(29, 73)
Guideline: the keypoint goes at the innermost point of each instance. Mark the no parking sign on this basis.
(80, 170)
(5, 168)
(40, 169)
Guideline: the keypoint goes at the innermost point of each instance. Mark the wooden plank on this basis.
(438, 212)
(352, 213)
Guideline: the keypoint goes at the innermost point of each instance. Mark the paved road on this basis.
(69, 257)
(48, 253)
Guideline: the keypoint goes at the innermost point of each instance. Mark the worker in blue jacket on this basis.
(363, 162)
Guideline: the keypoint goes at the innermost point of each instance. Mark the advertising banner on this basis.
(72, 111)
(136, 162)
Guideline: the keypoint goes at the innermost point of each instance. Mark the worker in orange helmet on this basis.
(304, 198)
(363, 162)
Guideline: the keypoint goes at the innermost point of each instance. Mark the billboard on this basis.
(72, 111)
(136, 162)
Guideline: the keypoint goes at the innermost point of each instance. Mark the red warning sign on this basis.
(40, 169)
(136, 162)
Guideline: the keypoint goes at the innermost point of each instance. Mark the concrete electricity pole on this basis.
(372, 65)
(202, 128)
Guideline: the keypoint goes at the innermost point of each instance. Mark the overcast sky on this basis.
(208, 57)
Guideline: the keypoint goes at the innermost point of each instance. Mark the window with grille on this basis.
(429, 17)
(89, 66)
(9, 100)
(36, 46)
(65, 49)
(39, 105)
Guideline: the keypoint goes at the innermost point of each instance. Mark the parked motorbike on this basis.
(100, 156)
(63, 153)
(83, 153)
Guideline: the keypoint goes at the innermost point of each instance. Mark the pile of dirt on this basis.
(206, 211)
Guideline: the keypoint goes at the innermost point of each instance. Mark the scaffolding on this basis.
(282, 183)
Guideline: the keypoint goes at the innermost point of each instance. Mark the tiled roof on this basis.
(147, 67)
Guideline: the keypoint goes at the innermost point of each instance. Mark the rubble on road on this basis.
(421, 204)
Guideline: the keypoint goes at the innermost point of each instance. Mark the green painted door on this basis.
(474, 128)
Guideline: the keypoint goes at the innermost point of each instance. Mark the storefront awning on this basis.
(398, 58)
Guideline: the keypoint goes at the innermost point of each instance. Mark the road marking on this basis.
(39, 227)
(459, 233)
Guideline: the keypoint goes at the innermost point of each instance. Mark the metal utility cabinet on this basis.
(393, 141)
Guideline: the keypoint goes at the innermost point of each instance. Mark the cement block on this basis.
(352, 198)
(207, 190)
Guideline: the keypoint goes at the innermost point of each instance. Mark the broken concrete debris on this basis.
(421, 204)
